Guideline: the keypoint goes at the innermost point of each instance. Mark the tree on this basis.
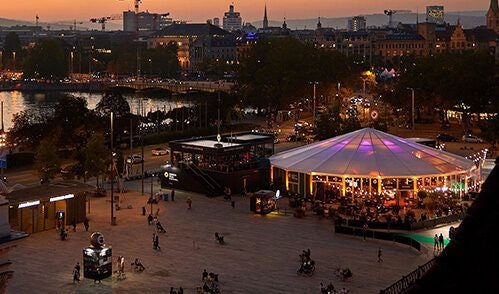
(12, 44)
(277, 71)
(47, 162)
(329, 124)
(47, 60)
(29, 127)
(74, 120)
(112, 102)
(161, 61)
(96, 156)
(490, 131)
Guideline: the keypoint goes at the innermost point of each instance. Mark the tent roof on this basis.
(370, 153)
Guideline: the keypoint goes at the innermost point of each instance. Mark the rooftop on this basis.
(192, 29)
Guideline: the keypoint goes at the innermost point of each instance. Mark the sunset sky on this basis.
(200, 10)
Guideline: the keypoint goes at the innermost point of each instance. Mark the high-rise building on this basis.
(145, 21)
(435, 14)
(493, 16)
(357, 23)
(265, 19)
(232, 20)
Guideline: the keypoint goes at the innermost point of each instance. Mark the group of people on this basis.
(438, 242)
(179, 291)
(329, 289)
(210, 283)
(307, 265)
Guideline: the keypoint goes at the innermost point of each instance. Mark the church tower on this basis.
(493, 16)
(266, 20)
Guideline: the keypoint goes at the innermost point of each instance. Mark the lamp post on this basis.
(313, 108)
(412, 108)
(151, 200)
(113, 221)
(14, 59)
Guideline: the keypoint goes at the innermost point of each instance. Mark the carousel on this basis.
(368, 163)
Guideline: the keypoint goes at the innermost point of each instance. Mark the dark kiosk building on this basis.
(210, 165)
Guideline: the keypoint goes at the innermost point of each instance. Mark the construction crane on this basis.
(136, 5)
(104, 19)
(390, 14)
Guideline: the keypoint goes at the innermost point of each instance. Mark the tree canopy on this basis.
(279, 70)
(47, 60)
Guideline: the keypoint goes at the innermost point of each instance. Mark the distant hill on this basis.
(62, 25)
(469, 19)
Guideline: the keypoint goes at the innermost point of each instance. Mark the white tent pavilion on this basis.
(368, 161)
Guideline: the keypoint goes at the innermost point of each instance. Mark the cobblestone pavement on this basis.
(261, 254)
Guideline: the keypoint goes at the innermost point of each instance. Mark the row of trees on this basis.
(279, 71)
(464, 81)
(53, 59)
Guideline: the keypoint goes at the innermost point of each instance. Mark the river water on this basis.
(15, 101)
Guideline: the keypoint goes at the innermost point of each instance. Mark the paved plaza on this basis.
(260, 254)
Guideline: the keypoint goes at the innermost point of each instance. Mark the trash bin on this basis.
(165, 197)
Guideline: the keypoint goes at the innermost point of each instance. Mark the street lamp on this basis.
(113, 220)
(412, 111)
(14, 59)
(315, 90)
(151, 198)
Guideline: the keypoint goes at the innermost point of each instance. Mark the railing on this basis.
(380, 235)
(408, 281)
(4, 278)
(207, 177)
(406, 226)
(430, 223)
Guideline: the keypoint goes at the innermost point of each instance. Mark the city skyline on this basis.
(200, 11)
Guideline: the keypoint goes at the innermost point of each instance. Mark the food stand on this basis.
(263, 202)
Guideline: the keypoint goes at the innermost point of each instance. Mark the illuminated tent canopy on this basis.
(371, 153)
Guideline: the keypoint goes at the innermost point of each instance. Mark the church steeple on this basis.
(265, 19)
(493, 16)
(319, 25)
(493, 6)
(284, 25)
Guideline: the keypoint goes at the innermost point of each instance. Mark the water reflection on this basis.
(15, 102)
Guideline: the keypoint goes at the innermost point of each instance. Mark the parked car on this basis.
(159, 152)
(446, 138)
(472, 139)
(276, 140)
(135, 158)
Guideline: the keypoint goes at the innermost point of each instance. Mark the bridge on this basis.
(178, 87)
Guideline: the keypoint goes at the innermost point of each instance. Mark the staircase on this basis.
(212, 186)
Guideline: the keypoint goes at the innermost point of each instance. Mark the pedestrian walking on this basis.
(189, 203)
(379, 255)
(156, 242)
(173, 195)
(149, 219)
(205, 276)
(76, 273)
(233, 204)
(441, 241)
(86, 224)
(435, 243)
(180, 290)
(143, 210)
(74, 224)
(364, 231)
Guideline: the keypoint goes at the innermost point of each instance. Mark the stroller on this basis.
(160, 228)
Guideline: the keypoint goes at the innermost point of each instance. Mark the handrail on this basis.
(409, 280)
(214, 183)
(201, 176)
